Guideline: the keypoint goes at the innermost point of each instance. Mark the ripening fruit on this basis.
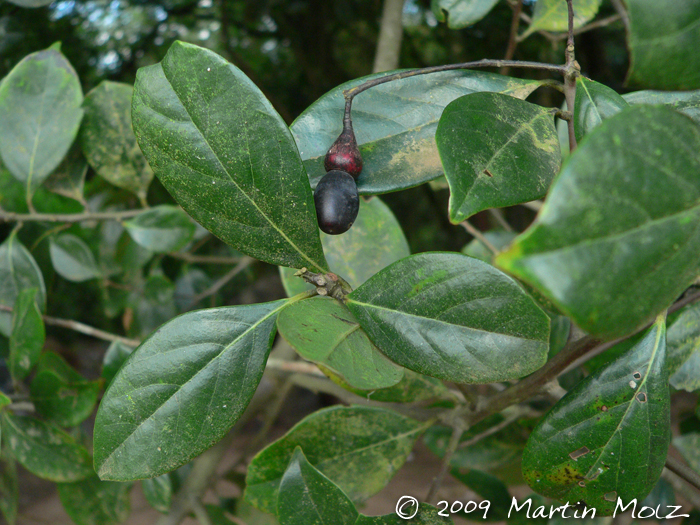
(337, 202)
(344, 154)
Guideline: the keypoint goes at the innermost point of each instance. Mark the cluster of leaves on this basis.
(614, 245)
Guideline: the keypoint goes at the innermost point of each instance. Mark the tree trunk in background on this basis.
(390, 34)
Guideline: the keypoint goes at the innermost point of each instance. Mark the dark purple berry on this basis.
(344, 154)
(337, 202)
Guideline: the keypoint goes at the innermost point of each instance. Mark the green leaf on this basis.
(323, 331)
(553, 15)
(461, 13)
(491, 489)
(217, 144)
(499, 239)
(617, 240)
(115, 356)
(452, 317)
(683, 347)
(18, 270)
(28, 334)
(307, 497)
(153, 306)
(358, 448)
(191, 282)
(594, 103)
(68, 179)
(394, 124)
(608, 437)
(108, 139)
(9, 490)
(686, 102)
(182, 390)
(4, 400)
(161, 229)
(158, 492)
(30, 3)
(45, 450)
(413, 388)
(425, 515)
(72, 259)
(478, 138)
(660, 35)
(95, 502)
(40, 111)
(689, 447)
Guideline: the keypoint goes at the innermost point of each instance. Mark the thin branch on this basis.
(204, 259)
(622, 11)
(390, 35)
(243, 263)
(480, 236)
(7, 216)
(452, 446)
(500, 219)
(684, 472)
(680, 486)
(572, 72)
(513, 38)
(510, 418)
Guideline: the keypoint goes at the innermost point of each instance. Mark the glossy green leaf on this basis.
(480, 136)
(9, 490)
(158, 492)
(307, 497)
(553, 15)
(413, 388)
(72, 258)
(660, 34)
(115, 356)
(594, 103)
(686, 102)
(40, 111)
(95, 502)
(28, 334)
(358, 448)
(689, 446)
(323, 331)
(683, 348)
(227, 157)
(452, 317)
(608, 437)
(18, 270)
(499, 239)
(45, 450)
(394, 124)
(161, 229)
(461, 13)
(108, 139)
(617, 240)
(68, 179)
(182, 390)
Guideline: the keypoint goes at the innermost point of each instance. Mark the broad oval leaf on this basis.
(40, 114)
(226, 156)
(686, 102)
(608, 437)
(479, 138)
(161, 229)
(28, 334)
(324, 331)
(413, 388)
(452, 317)
(108, 139)
(182, 390)
(553, 15)
(461, 13)
(394, 124)
(94, 502)
(358, 448)
(45, 450)
(594, 103)
(617, 239)
(72, 258)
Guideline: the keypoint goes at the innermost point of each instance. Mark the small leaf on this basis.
(452, 317)
(617, 239)
(553, 15)
(158, 492)
(461, 13)
(608, 437)
(191, 282)
(307, 497)
(9, 490)
(478, 138)
(413, 388)
(68, 179)
(686, 102)
(490, 488)
(153, 306)
(40, 111)
(44, 450)
(226, 156)
(594, 103)
(114, 358)
(28, 334)
(108, 139)
(95, 502)
(182, 390)
(358, 448)
(72, 259)
(161, 229)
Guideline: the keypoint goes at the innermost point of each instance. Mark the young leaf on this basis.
(617, 239)
(478, 138)
(108, 139)
(686, 102)
(461, 13)
(115, 356)
(394, 124)
(323, 331)
(18, 271)
(227, 157)
(158, 492)
(9, 490)
(553, 15)
(161, 229)
(45, 450)
(40, 111)
(452, 317)
(608, 437)
(358, 448)
(28, 334)
(182, 390)
(95, 502)
(72, 258)
(68, 179)
(594, 103)
(307, 497)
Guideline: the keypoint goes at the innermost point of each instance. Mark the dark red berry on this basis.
(344, 154)
(337, 202)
